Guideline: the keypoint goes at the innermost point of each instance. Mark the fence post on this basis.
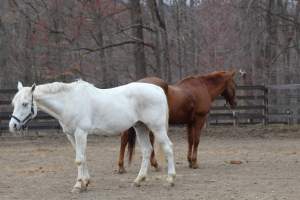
(289, 113)
(235, 118)
(265, 110)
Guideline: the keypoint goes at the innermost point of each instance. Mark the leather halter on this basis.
(28, 118)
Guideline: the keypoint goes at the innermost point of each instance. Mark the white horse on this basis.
(82, 108)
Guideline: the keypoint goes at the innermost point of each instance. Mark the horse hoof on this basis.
(76, 190)
(171, 180)
(122, 171)
(195, 166)
(136, 184)
(171, 184)
(138, 180)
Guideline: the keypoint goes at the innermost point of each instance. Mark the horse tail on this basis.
(131, 143)
(159, 150)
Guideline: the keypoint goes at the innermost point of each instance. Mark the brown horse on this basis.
(189, 103)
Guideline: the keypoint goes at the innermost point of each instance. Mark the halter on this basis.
(28, 118)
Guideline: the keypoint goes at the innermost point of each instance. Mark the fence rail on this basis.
(252, 108)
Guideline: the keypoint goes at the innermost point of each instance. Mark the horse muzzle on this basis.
(233, 104)
(14, 126)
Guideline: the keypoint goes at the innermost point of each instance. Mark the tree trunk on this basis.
(193, 37)
(297, 26)
(3, 52)
(160, 12)
(270, 52)
(137, 32)
(178, 38)
(157, 51)
(28, 55)
(102, 65)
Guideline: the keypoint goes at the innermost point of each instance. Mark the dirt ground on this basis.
(43, 167)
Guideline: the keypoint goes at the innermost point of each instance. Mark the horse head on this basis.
(230, 89)
(25, 108)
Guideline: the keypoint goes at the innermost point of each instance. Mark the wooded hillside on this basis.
(112, 42)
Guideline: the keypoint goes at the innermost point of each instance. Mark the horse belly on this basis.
(180, 117)
(181, 114)
(113, 125)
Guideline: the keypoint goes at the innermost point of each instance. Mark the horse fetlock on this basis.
(157, 168)
(122, 170)
(85, 183)
(78, 162)
(155, 164)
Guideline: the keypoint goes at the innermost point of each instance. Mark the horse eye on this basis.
(24, 104)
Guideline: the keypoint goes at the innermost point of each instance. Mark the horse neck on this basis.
(51, 103)
(215, 86)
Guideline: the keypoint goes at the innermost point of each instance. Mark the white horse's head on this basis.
(25, 108)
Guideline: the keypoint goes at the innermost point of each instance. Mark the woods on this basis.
(112, 42)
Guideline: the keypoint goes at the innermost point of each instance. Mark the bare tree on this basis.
(137, 33)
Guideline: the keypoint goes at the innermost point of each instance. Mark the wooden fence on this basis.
(252, 108)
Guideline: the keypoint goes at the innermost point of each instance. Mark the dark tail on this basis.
(131, 143)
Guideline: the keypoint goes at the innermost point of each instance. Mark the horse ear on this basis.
(33, 87)
(20, 85)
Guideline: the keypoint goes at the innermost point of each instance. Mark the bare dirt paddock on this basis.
(43, 167)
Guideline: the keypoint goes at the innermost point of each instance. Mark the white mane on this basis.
(57, 87)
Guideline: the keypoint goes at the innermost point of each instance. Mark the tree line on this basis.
(112, 42)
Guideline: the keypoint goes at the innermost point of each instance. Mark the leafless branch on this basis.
(112, 46)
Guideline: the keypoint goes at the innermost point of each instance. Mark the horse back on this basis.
(156, 81)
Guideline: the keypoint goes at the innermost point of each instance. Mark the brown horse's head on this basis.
(229, 91)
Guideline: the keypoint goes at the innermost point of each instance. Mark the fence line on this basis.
(252, 108)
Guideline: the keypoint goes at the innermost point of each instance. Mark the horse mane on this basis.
(216, 77)
(56, 87)
(211, 77)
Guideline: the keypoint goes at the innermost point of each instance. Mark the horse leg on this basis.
(199, 123)
(146, 148)
(71, 138)
(124, 141)
(152, 158)
(167, 146)
(190, 134)
(80, 148)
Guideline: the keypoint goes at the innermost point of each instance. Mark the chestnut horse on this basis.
(189, 101)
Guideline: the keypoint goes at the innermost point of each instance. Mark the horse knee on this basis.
(79, 162)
